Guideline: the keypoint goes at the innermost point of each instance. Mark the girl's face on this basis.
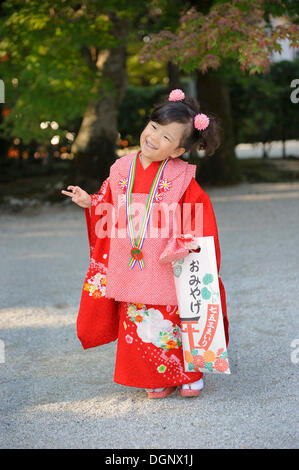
(158, 142)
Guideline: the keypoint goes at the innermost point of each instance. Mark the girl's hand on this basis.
(79, 196)
(191, 245)
(189, 242)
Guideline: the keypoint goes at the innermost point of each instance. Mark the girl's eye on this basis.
(156, 128)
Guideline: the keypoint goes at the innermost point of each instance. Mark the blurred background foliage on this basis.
(65, 64)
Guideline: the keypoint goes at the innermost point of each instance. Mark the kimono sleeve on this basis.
(98, 318)
(104, 195)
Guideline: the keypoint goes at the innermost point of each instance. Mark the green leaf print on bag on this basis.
(223, 355)
(209, 366)
(206, 294)
(177, 270)
(209, 293)
(207, 279)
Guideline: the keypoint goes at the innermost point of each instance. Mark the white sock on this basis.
(154, 389)
(198, 385)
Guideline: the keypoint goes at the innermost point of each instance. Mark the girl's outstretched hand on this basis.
(79, 196)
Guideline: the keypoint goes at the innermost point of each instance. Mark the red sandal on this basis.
(189, 392)
(192, 392)
(162, 394)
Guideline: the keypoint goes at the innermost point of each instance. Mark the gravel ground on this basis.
(56, 395)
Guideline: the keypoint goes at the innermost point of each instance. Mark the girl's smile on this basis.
(158, 142)
(149, 145)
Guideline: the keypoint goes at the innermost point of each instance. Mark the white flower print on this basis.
(96, 198)
(123, 183)
(158, 197)
(165, 185)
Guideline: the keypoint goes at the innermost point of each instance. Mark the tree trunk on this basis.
(284, 155)
(265, 151)
(223, 167)
(173, 73)
(94, 147)
(31, 148)
(48, 161)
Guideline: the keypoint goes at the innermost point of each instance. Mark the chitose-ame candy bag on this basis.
(199, 304)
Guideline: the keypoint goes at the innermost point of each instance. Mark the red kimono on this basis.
(149, 350)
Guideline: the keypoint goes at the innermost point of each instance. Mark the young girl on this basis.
(136, 271)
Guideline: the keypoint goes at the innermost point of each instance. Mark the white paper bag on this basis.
(199, 304)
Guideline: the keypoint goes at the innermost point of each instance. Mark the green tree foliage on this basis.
(262, 107)
(49, 54)
(209, 40)
(235, 30)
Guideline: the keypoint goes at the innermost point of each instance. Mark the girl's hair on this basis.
(183, 111)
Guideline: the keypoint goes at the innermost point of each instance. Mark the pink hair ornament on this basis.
(176, 95)
(201, 121)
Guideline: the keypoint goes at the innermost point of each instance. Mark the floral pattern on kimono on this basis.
(163, 187)
(149, 350)
(96, 280)
(151, 327)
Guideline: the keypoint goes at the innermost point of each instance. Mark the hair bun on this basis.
(176, 95)
(201, 121)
